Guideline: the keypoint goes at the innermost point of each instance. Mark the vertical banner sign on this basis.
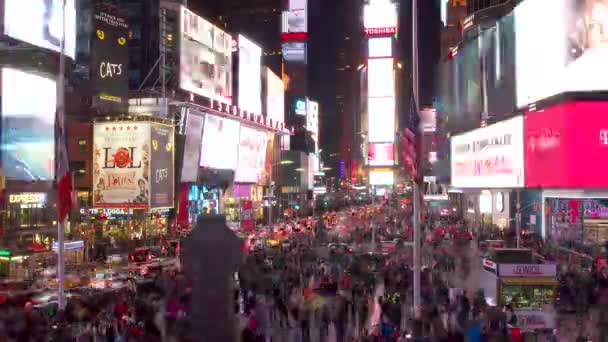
(247, 221)
(161, 166)
(110, 58)
(192, 149)
(121, 165)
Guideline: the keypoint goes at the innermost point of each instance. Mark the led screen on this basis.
(40, 23)
(381, 178)
(294, 52)
(220, 143)
(192, 146)
(380, 47)
(566, 51)
(381, 154)
(379, 13)
(567, 146)
(381, 119)
(275, 97)
(294, 21)
(252, 154)
(28, 121)
(380, 77)
(205, 58)
(250, 76)
(489, 157)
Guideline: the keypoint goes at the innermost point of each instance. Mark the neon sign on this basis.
(380, 31)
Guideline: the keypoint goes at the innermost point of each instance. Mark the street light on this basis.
(282, 162)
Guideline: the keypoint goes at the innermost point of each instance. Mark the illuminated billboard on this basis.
(275, 97)
(381, 178)
(252, 155)
(205, 58)
(294, 21)
(381, 154)
(380, 77)
(28, 121)
(380, 47)
(566, 52)
(381, 119)
(220, 143)
(40, 23)
(380, 14)
(250, 76)
(489, 157)
(294, 52)
(312, 120)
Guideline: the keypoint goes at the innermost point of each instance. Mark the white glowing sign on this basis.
(380, 77)
(381, 178)
(380, 47)
(380, 14)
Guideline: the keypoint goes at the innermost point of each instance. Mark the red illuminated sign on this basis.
(567, 146)
(294, 36)
(380, 31)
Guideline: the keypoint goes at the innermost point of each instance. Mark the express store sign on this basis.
(527, 270)
(489, 157)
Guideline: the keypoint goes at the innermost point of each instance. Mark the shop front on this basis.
(30, 222)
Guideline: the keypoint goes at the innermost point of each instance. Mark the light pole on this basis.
(271, 190)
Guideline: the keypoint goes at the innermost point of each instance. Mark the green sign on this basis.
(5, 253)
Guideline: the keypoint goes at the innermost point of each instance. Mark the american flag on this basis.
(62, 174)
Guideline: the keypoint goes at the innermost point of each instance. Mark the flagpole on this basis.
(61, 223)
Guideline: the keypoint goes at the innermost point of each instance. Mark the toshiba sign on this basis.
(527, 270)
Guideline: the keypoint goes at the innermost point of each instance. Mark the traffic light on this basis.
(407, 153)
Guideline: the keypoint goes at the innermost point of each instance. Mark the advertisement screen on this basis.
(380, 47)
(252, 155)
(28, 126)
(381, 119)
(381, 178)
(220, 143)
(110, 55)
(381, 154)
(567, 146)
(121, 165)
(192, 148)
(294, 52)
(40, 23)
(161, 166)
(205, 58)
(294, 21)
(566, 53)
(275, 97)
(489, 157)
(380, 77)
(379, 13)
(250, 76)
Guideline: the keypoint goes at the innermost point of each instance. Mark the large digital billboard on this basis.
(40, 23)
(162, 180)
(275, 97)
(250, 76)
(294, 52)
(489, 157)
(121, 165)
(380, 14)
(220, 143)
(294, 21)
(110, 58)
(381, 154)
(565, 52)
(381, 178)
(192, 148)
(567, 146)
(29, 102)
(205, 58)
(380, 47)
(380, 77)
(252, 155)
(381, 119)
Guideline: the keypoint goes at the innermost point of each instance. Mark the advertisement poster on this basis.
(161, 166)
(250, 76)
(275, 97)
(381, 154)
(192, 149)
(40, 23)
(252, 154)
(220, 143)
(555, 137)
(205, 58)
(247, 219)
(265, 178)
(121, 165)
(28, 134)
(489, 157)
(110, 58)
(566, 53)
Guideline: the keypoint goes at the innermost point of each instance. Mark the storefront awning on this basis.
(530, 281)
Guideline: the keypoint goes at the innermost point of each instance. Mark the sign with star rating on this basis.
(121, 164)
